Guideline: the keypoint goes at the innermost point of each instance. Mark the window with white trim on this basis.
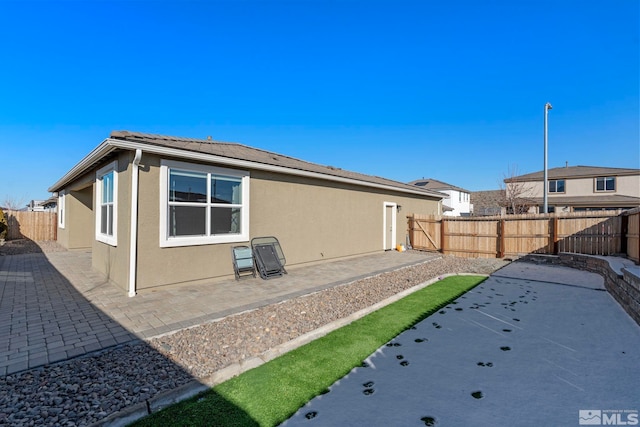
(107, 204)
(556, 186)
(606, 183)
(61, 209)
(202, 204)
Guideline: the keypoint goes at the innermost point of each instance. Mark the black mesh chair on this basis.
(269, 257)
(243, 264)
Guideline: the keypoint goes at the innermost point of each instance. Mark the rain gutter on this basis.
(133, 244)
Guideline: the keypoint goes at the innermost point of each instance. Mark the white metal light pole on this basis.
(547, 107)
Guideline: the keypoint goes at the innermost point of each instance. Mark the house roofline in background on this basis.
(574, 172)
(439, 185)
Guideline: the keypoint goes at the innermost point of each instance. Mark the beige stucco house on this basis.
(158, 210)
(578, 188)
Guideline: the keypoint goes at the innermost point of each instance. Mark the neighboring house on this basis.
(488, 203)
(48, 205)
(51, 204)
(457, 203)
(578, 188)
(36, 206)
(159, 210)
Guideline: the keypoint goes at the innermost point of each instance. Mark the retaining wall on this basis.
(621, 280)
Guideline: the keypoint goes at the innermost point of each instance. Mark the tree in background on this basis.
(8, 204)
(13, 204)
(517, 196)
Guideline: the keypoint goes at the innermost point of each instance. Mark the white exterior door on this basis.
(389, 221)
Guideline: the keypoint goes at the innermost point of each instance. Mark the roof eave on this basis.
(104, 148)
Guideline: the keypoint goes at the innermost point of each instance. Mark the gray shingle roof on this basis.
(240, 152)
(434, 184)
(575, 172)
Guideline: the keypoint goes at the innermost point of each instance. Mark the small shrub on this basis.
(4, 225)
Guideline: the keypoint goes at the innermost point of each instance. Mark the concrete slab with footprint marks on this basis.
(533, 345)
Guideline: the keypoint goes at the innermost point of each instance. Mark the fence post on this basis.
(501, 247)
(624, 230)
(442, 235)
(410, 219)
(554, 235)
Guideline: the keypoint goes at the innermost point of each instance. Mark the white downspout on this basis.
(133, 244)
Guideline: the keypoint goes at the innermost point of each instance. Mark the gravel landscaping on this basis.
(87, 389)
(27, 246)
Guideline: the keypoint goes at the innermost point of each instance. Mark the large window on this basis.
(106, 204)
(606, 183)
(556, 186)
(203, 204)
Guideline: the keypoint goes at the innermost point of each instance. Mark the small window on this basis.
(556, 186)
(607, 183)
(61, 209)
(106, 204)
(203, 205)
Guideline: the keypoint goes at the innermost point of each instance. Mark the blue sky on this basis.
(452, 90)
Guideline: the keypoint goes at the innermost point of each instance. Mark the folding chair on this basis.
(242, 257)
(269, 257)
(270, 240)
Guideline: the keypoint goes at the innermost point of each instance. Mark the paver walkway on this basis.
(45, 319)
(54, 306)
(534, 345)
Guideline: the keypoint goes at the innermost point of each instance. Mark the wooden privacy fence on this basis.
(593, 233)
(38, 226)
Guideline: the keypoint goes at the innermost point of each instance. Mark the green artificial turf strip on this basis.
(271, 393)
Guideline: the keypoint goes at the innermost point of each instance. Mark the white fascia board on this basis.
(246, 164)
(98, 153)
